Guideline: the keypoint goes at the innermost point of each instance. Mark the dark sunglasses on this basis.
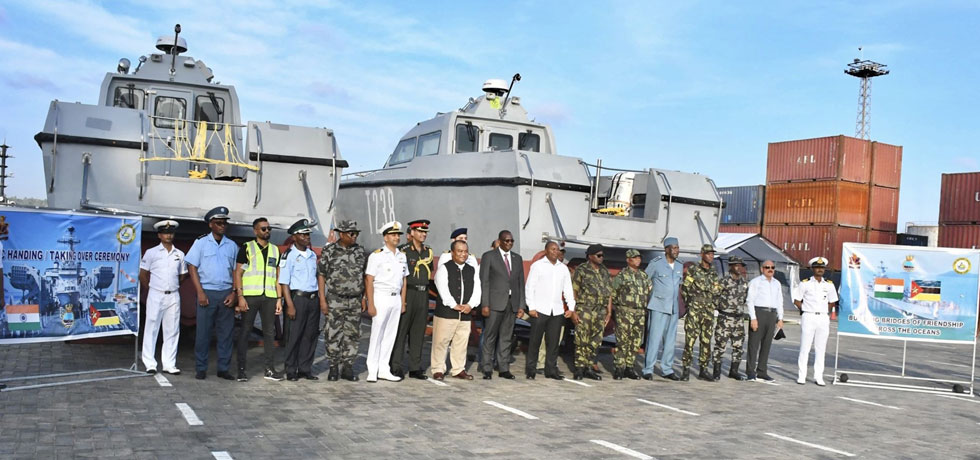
(599, 255)
(508, 240)
(354, 233)
(768, 267)
(264, 229)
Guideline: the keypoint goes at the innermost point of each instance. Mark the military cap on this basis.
(302, 226)
(735, 260)
(421, 225)
(391, 227)
(346, 226)
(594, 249)
(457, 232)
(818, 262)
(706, 248)
(166, 226)
(631, 253)
(220, 212)
(671, 241)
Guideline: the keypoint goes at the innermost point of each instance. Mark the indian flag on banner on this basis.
(23, 317)
(927, 291)
(889, 288)
(103, 314)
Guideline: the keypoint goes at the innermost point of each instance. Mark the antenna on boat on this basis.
(173, 51)
(503, 107)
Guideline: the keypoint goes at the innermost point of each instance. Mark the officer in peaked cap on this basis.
(459, 232)
(815, 297)
(458, 235)
(297, 279)
(211, 261)
(411, 325)
(384, 284)
(340, 283)
(162, 269)
(730, 327)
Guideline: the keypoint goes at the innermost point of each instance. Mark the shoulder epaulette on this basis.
(377, 250)
(657, 258)
(202, 236)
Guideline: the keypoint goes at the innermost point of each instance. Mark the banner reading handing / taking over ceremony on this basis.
(68, 275)
(909, 293)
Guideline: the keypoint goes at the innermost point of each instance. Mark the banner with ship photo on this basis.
(909, 292)
(68, 275)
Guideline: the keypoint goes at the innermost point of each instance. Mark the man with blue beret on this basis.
(666, 274)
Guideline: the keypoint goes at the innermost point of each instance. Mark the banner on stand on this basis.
(68, 275)
(909, 293)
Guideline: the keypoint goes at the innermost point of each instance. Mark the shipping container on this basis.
(743, 205)
(883, 209)
(824, 158)
(959, 200)
(908, 239)
(804, 242)
(881, 237)
(817, 203)
(959, 236)
(740, 228)
(886, 164)
(929, 231)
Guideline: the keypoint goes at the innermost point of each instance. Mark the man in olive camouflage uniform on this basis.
(592, 285)
(731, 325)
(340, 280)
(700, 292)
(631, 292)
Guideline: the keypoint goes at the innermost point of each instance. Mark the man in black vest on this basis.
(459, 294)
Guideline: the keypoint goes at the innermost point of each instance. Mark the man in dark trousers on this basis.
(297, 281)
(411, 325)
(502, 280)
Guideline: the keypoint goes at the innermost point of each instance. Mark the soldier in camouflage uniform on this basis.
(700, 292)
(731, 325)
(340, 279)
(592, 285)
(631, 292)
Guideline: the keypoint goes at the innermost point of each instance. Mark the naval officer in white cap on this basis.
(384, 284)
(162, 269)
(814, 297)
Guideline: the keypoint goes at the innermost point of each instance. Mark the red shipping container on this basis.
(883, 211)
(804, 242)
(740, 228)
(824, 158)
(959, 236)
(880, 237)
(886, 164)
(959, 199)
(818, 203)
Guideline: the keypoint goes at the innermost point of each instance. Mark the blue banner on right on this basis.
(909, 293)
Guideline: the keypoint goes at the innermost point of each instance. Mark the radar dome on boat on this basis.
(495, 85)
(166, 44)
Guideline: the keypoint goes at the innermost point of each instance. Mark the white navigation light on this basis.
(495, 86)
(123, 66)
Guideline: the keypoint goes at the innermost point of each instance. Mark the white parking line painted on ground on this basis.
(622, 450)
(162, 380)
(644, 401)
(809, 444)
(759, 380)
(965, 397)
(868, 402)
(577, 382)
(952, 364)
(189, 414)
(511, 410)
(868, 352)
(221, 455)
(437, 382)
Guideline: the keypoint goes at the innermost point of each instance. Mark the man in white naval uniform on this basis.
(162, 269)
(384, 284)
(815, 298)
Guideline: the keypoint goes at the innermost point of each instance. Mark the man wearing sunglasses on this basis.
(592, 285)
(340, 284)
(765, 307)
(256, 275)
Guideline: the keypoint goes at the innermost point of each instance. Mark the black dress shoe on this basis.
(555, 376)
(398, 373)
(487, 375)
(151, 371)
(671, 376)
(226, 375)
(766, 377)
(201, 375)
(308, 376)
(530, 376)
(333, 375)
(506, 375)
(418, 375)
(648, 377)
(292, 377)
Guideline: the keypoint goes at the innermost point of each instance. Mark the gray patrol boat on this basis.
(487, 166)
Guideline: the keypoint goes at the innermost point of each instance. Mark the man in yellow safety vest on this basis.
(256, 275)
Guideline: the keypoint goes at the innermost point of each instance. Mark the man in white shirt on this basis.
(765, 306)
(547, 283)
(459, 293)
(815, 298)
(162, 269)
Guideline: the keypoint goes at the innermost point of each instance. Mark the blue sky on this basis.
(692, 86)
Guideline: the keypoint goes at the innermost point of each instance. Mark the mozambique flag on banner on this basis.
(103, 314)
(23, 317)
(889, 288)
(926, 291)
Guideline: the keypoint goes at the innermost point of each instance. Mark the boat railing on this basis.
(189, 141)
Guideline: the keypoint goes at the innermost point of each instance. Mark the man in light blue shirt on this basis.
(297, 278)
(210, 262)
(666, 274)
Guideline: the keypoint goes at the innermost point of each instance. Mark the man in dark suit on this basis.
(502, 280)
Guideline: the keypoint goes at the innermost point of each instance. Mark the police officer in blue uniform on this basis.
(297, 278)
(210, 263)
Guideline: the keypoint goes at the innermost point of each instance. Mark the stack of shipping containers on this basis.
(821, 193)
(743, 208)
(959, 211)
